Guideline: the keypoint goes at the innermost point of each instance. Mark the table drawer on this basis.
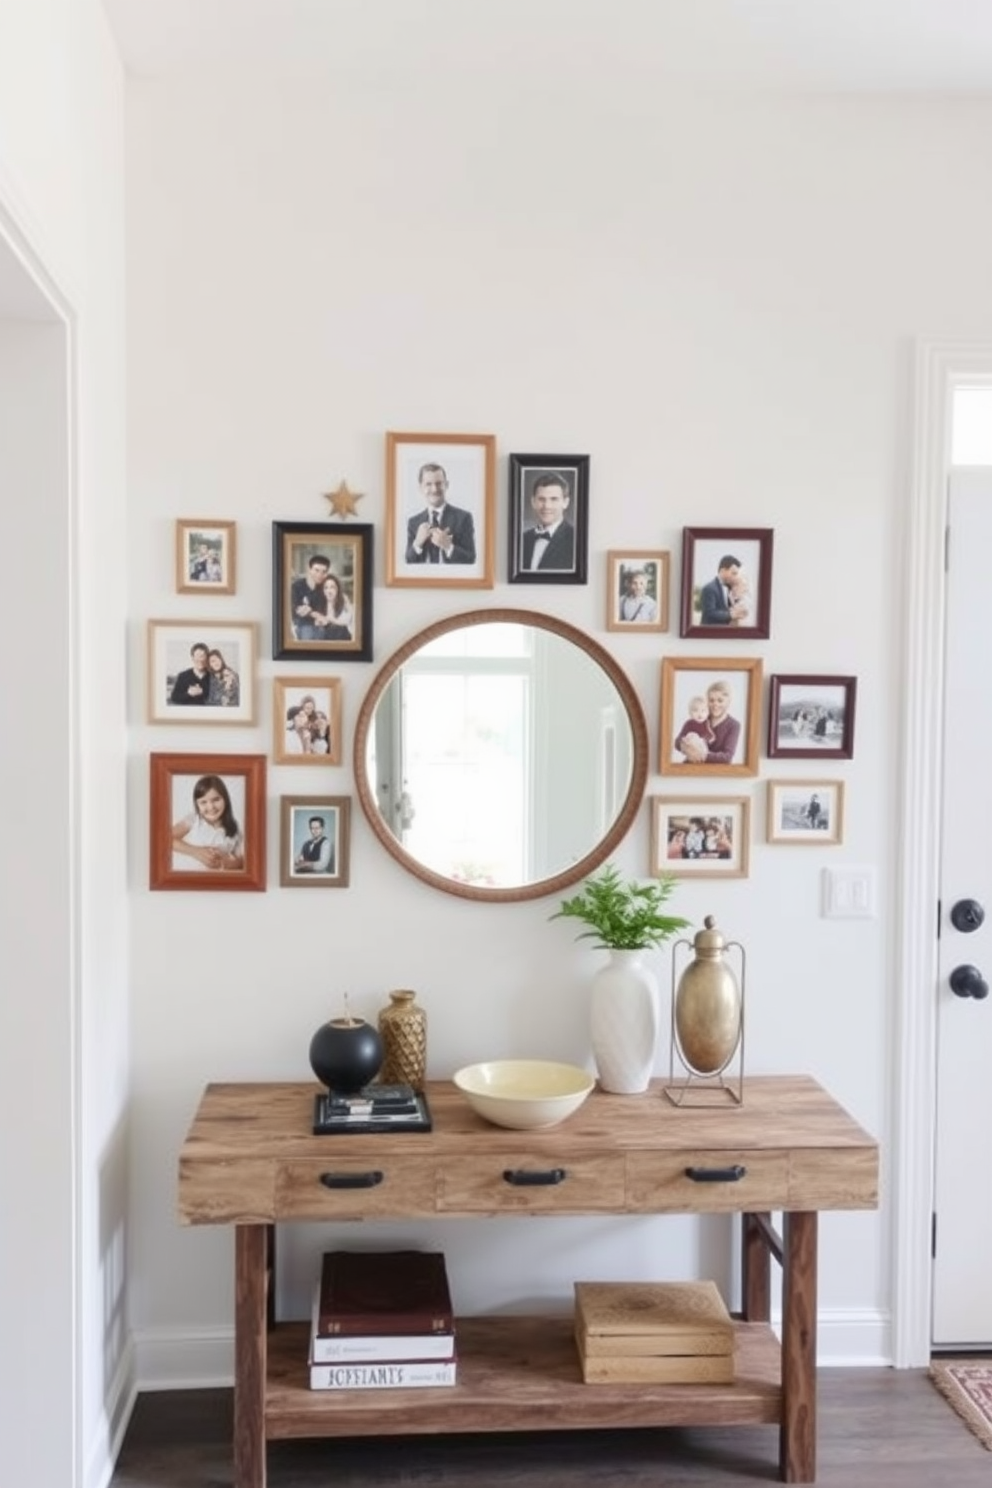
(518, 1183)
(659, 1182)
(336, 1186)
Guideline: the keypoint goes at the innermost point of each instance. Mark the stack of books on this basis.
(653, 1333)
(382, 1320)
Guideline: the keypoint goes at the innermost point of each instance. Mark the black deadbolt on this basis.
(967, 915)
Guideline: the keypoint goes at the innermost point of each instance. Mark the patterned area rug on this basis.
(967, 1386)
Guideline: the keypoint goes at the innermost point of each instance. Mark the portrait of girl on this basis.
(208, 837)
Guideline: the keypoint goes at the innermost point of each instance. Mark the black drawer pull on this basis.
(522, 1179)
(717, 1175)
(352, 1180)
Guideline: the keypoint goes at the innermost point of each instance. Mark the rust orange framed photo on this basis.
(710, 715)
(207, 821)
(440, 510)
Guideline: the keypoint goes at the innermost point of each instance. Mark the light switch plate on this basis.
(849, 893)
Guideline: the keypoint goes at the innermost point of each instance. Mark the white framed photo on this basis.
(201, 671)
(700, 837)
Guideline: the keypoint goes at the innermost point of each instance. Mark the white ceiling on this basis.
(821, 45)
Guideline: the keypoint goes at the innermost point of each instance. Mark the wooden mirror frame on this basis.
(639, 756)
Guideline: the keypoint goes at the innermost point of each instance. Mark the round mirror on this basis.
(500, 755)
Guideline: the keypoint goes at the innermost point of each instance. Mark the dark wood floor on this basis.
(879, 1428)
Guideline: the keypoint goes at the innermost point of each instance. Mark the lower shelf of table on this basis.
(516, 1374)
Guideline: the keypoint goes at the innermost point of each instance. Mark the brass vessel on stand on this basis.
(707, 1052)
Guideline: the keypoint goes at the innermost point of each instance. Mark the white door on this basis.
(962, 1296)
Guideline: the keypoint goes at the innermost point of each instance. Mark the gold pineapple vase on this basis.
(403, 1028)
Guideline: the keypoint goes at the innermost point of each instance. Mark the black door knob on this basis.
(967, 981)
(967, 915)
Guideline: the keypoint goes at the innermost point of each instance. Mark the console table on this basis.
(250, 1160)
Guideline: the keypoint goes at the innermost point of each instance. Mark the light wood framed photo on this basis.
(306, 720)
(201, 671)
(811, 717)
(440, 510)
(700, 837)
(637, 590)
(206, 556)
(710, 715)
(314, 842)
(549, 519)
(207, 827)
(322, 591)
(806, 811)
(726, 583)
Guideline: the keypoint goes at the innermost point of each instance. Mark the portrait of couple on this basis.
(205, 554)
(201, 672)
(322, 590)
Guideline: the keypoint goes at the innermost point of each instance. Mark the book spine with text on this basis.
(385, 1376)
(347, 1348)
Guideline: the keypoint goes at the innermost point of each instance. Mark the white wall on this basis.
(61, 199)
(716, 300)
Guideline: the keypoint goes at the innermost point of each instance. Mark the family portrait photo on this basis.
(810, 717)
(440, 510)
(205, 556)
(207, 821)
(637, 590)
(549, 519)
(314, 842)
(808, 811)
(201, 671)
(710, 712)
(704, 838)
(306, 716)
(726, 582)
(322, 590)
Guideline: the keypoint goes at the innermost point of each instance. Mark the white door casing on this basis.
(962, 1299)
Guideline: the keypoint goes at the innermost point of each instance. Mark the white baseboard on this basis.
(108, 1432)
(178, 1359)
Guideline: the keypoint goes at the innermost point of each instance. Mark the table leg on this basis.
(251, 1252)
(756, 1270)
(797, 1436)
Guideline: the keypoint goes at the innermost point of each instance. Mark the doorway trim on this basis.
(941, 366)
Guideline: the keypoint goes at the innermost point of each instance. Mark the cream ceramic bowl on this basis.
(524, 1094)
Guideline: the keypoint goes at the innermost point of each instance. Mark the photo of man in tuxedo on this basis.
(549, 544)
(439, 533)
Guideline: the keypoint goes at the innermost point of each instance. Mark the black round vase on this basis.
(345, 1054)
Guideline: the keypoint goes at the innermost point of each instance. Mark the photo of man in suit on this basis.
(440, 533)
(316, 854)
(549, 545)
(721, 601)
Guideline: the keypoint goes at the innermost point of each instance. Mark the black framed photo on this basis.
(322, 591)
(811, 717)
(726, 583)
(549, 519)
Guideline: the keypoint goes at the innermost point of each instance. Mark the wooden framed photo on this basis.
(306, 721)
(322, 591)
(637, 590)
(207, 821)
(806, 811)
(206, 556)
(726, 583)
(700, 837)
(811, 717)
(549, 519)
(201, 671)
(314, 842)
(710, 715)
(440, 510)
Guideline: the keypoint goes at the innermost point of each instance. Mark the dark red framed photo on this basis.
(811, 717)
(207, 827)
(726, 583)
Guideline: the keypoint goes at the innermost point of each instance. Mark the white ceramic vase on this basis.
(624, 1023)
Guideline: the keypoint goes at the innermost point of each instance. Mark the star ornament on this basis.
(343, 501)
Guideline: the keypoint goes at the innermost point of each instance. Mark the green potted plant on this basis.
(624, 917)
